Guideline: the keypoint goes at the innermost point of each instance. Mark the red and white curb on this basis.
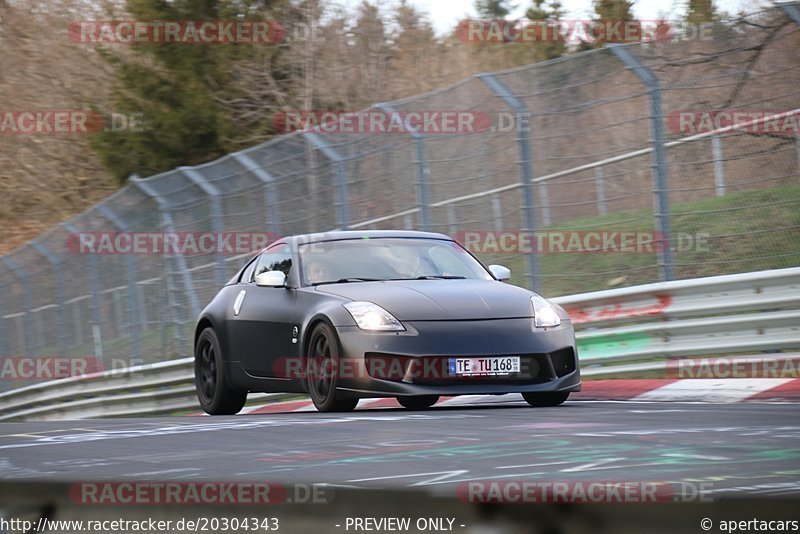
(722, 390)
(717, 390)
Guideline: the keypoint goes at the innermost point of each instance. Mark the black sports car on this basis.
(348, 315)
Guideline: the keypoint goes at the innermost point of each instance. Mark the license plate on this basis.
(484, 366)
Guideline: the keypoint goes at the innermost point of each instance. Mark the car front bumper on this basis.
(416, 362)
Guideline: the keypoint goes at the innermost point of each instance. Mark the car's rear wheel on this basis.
(418, 402)
(546, 399)
(322, 372)
(215, 394)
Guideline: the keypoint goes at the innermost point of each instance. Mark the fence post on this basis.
(423, 171)
(659, 159)
(134, 312)
(341, 177)
(792, 10)
(4, 342)
(77, 323)
(797, 145)
(525, 168)
(169, 226)
(452, 220)
(94, 290)
(27, 303)
(497, 214)
(270, 191)
(544, 199)
(216, 215)
(600, 186)
(60, 297)
(719, 170)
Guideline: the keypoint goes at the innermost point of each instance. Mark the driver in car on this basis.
(316, 272)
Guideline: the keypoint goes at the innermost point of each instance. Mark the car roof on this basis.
(364, 234)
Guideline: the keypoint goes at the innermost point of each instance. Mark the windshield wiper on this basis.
(434, 277)
(346, 280)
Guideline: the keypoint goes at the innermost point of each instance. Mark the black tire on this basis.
(322, 371)
(215, 394)
(418, 402)
(543, 400)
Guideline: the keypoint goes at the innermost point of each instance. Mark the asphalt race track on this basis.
(746, 449)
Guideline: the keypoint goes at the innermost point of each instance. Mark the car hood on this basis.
(440, 300)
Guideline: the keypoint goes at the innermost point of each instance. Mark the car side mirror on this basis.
(500, 272)
(271, 279)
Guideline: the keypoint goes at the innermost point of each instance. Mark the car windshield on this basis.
(387, 259)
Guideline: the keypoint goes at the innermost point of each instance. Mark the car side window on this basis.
(274, 259)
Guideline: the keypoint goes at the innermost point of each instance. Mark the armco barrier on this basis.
(620, 332)
(740, 313)
(145, 389)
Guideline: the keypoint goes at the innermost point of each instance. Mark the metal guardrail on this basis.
(620, 332)
(729, 314)
(158, 388)
(695, 368)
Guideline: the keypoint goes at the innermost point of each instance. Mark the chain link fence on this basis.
(598, 143)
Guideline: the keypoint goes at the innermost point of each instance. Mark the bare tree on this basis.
(45, 178)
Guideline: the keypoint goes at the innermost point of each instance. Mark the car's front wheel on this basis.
(418, 402)
(322, 371)
(216, 395)
(550, 398)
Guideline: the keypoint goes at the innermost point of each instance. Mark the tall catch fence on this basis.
(601, 142)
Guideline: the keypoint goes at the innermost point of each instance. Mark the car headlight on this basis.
(544, 314)
(370, 316)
